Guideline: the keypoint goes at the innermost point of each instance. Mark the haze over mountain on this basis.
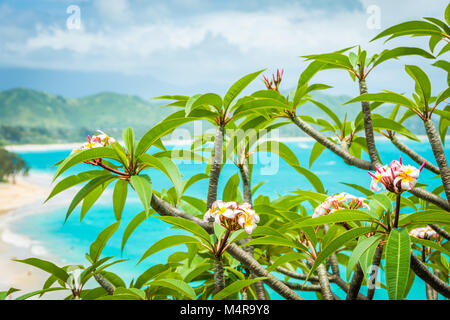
(30, 116)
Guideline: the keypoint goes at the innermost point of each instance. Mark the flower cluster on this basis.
(99, 140)
(424, 233)
(395, 177)
(339, 201)
(233, 216)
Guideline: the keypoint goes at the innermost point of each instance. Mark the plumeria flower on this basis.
(247, 218)
(424, 233)
(339, 201)
(233, 216)
(100, 140)
(395, 177)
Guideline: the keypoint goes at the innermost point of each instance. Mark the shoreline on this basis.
(16, 201)
(180, 142)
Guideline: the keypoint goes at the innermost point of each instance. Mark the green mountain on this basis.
(29, 116)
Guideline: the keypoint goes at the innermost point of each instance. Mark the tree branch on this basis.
(324, 283)
(355, 283)
(426, 275)
(439, 155)
(105, 284)
(440, 231)
(247, 187)
(303, 287)
(165, 209)
(216, 166)
(368, 126)
(412, 154)
(374, 271)
(347, 157)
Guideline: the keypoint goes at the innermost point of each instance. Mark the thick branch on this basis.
(368, 126)
(426, 275)
(439, 155)
(216, 166)
(440, 231)
(296, 275)
(374, 272)
(165, 209)
(219, 278)
(347, 157)
(431, 197)
(303, 287)
(324, 283)
(413, 155)
(355, 283)
(104, 283)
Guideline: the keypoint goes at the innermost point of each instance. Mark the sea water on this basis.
(70, 241)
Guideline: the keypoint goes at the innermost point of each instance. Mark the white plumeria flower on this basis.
(424, 233)
(96, 141)
(396, 177)
(339, 201)
(233, 216)
(407, 177)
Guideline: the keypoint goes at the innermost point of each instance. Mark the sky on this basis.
(149, 48)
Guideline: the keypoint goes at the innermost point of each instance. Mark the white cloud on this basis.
(222, 44)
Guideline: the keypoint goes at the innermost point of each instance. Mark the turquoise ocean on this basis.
(70, 241)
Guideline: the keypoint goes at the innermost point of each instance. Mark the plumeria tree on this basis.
(238, 245)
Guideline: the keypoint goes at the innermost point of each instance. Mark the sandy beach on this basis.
(14, 198)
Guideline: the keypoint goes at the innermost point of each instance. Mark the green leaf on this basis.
(387, 97)
(119, 197)
(336, 243)
(237, 88)
(235, 287)
(309, 72)
(343, 215)
(47, 266)
(128, 138)
(168, 167)
(288, 257)
(398, 252)
(143, 187)
(385, 123)
(447, 14)
(276, 241)
(230, 192)
(383, 201)
(38, 292)
(178, 285)
(159, 130)
(168, 242)
(425, 217)
(85, 155)
(96, 248)
(328, 111)
(430, 244)
(401, 51)
(186, 225)
(211, 99)
(91, 198)
(410, 28)
(422, 81)
(149, 274)
(87, 189)
(361, 247)
(134, 223)
(73, 180)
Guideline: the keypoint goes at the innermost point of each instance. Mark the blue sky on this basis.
(151, 48)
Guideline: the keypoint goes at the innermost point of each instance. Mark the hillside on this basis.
(29, 116)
